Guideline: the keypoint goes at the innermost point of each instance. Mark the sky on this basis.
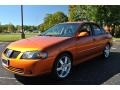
(32, 14)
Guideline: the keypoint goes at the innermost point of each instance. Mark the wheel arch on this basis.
(108, 43)
(64, 52)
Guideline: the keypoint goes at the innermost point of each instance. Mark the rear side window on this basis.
(103, 31)
(97, 30)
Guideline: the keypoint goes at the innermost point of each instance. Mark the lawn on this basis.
(14, 36)
(116, 38)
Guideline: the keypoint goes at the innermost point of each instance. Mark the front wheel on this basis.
(62, 66)
(106, 52)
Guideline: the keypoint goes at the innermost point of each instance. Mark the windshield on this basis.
(66, 30)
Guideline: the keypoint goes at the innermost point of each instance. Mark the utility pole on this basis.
(22, 34)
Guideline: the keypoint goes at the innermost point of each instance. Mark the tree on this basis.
(41, 27)
(100, 13)
(11, 28)
(26, 27)
(82, 12)
(110, 15)
(105, 15)
(18, 28)
(52, 19)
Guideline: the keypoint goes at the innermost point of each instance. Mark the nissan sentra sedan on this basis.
(57, 49)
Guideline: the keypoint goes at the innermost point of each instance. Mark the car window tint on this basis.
(97, 30)
(86, 27)
(103, 31)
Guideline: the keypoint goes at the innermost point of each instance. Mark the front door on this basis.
(85, 45)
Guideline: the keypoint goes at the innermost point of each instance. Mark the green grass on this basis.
(14, 36)
(116, 38)
(9, 37)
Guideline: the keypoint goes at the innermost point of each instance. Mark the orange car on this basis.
(57, 49)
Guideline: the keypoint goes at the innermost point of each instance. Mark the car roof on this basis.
(79, 22)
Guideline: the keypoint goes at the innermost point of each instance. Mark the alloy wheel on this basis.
(63, 66)
(107, 51)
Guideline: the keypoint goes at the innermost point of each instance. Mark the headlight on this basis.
(34, 55)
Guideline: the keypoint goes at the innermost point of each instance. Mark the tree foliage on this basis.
(102, 14)
(98, 13)
(52, 19)
(10, 28)
(82, 12)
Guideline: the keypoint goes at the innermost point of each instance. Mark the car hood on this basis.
(37, 42)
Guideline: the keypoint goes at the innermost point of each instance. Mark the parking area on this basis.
(93, 72)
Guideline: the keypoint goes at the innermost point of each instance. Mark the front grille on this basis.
(16, 70)
(11, 53)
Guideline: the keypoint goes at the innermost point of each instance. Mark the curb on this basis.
(4, 43)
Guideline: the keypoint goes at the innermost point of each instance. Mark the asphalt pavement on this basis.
(93, 72)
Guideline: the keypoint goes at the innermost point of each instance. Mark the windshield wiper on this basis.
(49, 35)
(46, 35)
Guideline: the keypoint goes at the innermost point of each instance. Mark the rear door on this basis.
(99, 38)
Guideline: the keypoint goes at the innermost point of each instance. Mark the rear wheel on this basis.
(62, 66)
(106, 52)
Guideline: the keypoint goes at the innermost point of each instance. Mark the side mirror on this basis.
(83, 34)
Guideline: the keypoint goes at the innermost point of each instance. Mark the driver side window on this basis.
(86, 28)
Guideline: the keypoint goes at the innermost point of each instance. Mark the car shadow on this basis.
(93, 72)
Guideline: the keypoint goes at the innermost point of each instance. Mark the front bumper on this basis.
(28, 67)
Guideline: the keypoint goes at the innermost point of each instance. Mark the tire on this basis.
(62, 67)
(106, 51)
